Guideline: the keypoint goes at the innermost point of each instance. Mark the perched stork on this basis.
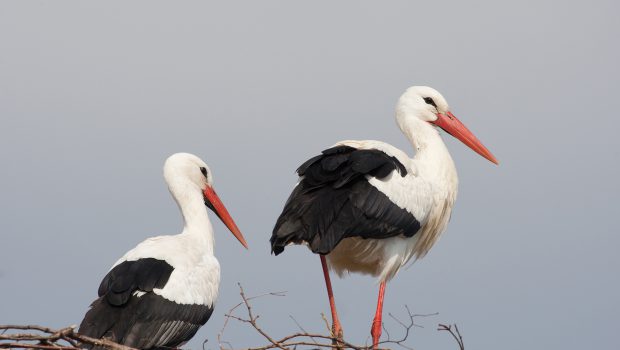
(159, 293)
(369, 208)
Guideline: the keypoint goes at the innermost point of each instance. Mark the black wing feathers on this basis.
(129, 276)
(146, 321)
(334, 201)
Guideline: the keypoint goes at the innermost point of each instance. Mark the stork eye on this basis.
(203, 170)
(430, 101)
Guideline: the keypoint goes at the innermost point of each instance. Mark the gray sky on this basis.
(94, 97)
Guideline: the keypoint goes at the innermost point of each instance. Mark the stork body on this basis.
(367, 207)
(425, 197)
(161, 292)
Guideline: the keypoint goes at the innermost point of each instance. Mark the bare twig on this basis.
(456, 334)
(407, 327)
(34, 346)
(48, 338)
(229, 315)
(302, 328)
(306, 340)
(327, 326)
(253, 319)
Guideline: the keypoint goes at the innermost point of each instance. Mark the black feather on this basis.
(145, 322)
(334, 200)
(128, 276)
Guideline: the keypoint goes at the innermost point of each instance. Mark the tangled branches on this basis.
(303, 339)
(38, 337)
(50, 339)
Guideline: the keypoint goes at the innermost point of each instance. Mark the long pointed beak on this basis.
(214, 202)
(450, 124)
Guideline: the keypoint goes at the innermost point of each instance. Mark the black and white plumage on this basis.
(128, 311)
(161, 292)
(368, 207)
(334, 201)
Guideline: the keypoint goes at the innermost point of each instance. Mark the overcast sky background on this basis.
(95, 95)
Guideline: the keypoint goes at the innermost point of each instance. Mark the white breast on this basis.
(197, 284)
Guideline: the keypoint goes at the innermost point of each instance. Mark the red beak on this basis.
(214, 202)
(450, 124)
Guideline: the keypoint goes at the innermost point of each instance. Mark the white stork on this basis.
(159, 293)
(369, 208)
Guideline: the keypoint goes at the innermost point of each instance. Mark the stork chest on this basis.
(193, 283)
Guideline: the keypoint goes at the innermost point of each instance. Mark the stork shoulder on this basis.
(384, 147)
(154, 247)
(195, 276)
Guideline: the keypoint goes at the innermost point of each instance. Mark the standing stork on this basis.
(366, 207)
(159, 293)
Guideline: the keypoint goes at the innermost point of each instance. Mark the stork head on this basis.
(427, 104)
(186, 173)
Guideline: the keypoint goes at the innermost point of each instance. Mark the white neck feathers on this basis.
(432, 157)
(190, 200)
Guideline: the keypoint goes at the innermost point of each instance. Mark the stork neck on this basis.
(197, 226)
(432, 156)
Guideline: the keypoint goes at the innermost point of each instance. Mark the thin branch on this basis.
(302, 328)
(406, 327)
(229, 315)
(327, 326)
(48, 338)
(456, 334)
(35, 346)
(308, 340)
(253, 320)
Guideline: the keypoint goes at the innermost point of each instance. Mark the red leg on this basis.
(375, 331)
(336, 328)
